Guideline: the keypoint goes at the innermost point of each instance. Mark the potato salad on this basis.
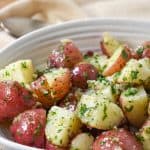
(98, 100)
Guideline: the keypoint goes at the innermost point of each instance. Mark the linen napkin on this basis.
(57, 11)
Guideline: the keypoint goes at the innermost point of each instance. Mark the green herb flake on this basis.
(7, 73)
(147, 130)
(124, 54)
(37, 129)
(102, 143)
(24, 65)
(105, 113)
(140, 50)
(128, 108)
(83, 109)
(134, 74)
(53, 113)
(140, 137)
(130, 91)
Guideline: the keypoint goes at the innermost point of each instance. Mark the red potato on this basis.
(66, 56)
(28, 128)
(52, 86)
(109, 44)
(50, 146)
(117, 60)
(83, 72)
(70, 102)
(146, 53)
(117, 139)
(14, 99)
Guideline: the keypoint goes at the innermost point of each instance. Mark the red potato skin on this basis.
(66, 56)
(14, 99)
(113, 139)
(70, 102)
(118, 64)
(50, 146)
(146, 53)
(83, 72)
(61, 86)
(104, 49)
(28, 128)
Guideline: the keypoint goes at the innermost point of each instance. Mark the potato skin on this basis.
(116, 139)
(28, 128)
(146, 53)
(66, 56)
(50, 146)
(119, 62)
(14, 99)
(83, 72)
(49, 93)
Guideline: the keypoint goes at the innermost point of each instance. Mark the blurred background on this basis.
(49, 12)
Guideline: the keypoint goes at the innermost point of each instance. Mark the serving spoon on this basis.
(18, 26)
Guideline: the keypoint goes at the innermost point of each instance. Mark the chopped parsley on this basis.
(140, 50)
(130, 91)
(102, 143)
(128, 108)
(83, 109)
(37, 129)
(147, 130)
(124, 54)
(134, 74)
(7, 73)
(140, 137)
(104, 111)
(24, 65)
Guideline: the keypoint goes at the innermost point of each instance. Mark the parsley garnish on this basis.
(124, 54)
(83, 109)
(105, 114)
(128, 108)
(134, 74)
(130, 91)
(140, 50)
(24, 65)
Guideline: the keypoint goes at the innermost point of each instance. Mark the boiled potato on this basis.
(117, 61)
(83, 141)
(135, 72)
(52, 86)
(99, 113)
(105, 89)
(134, 102)
(144, 135)
(21, 71)
(109, 44)
(61, 126)
(67, 55)
(97, 60)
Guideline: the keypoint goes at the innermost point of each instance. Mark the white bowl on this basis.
(86, 34)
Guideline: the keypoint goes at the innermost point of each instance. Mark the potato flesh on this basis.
(83, 141)
(135, 106)
(135, 72)
(98, 61)
(111, 44)
(98, 113)
(21, 71)
(61, 125)
(105, 90)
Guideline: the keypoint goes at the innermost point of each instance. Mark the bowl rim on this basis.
(11, 144)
